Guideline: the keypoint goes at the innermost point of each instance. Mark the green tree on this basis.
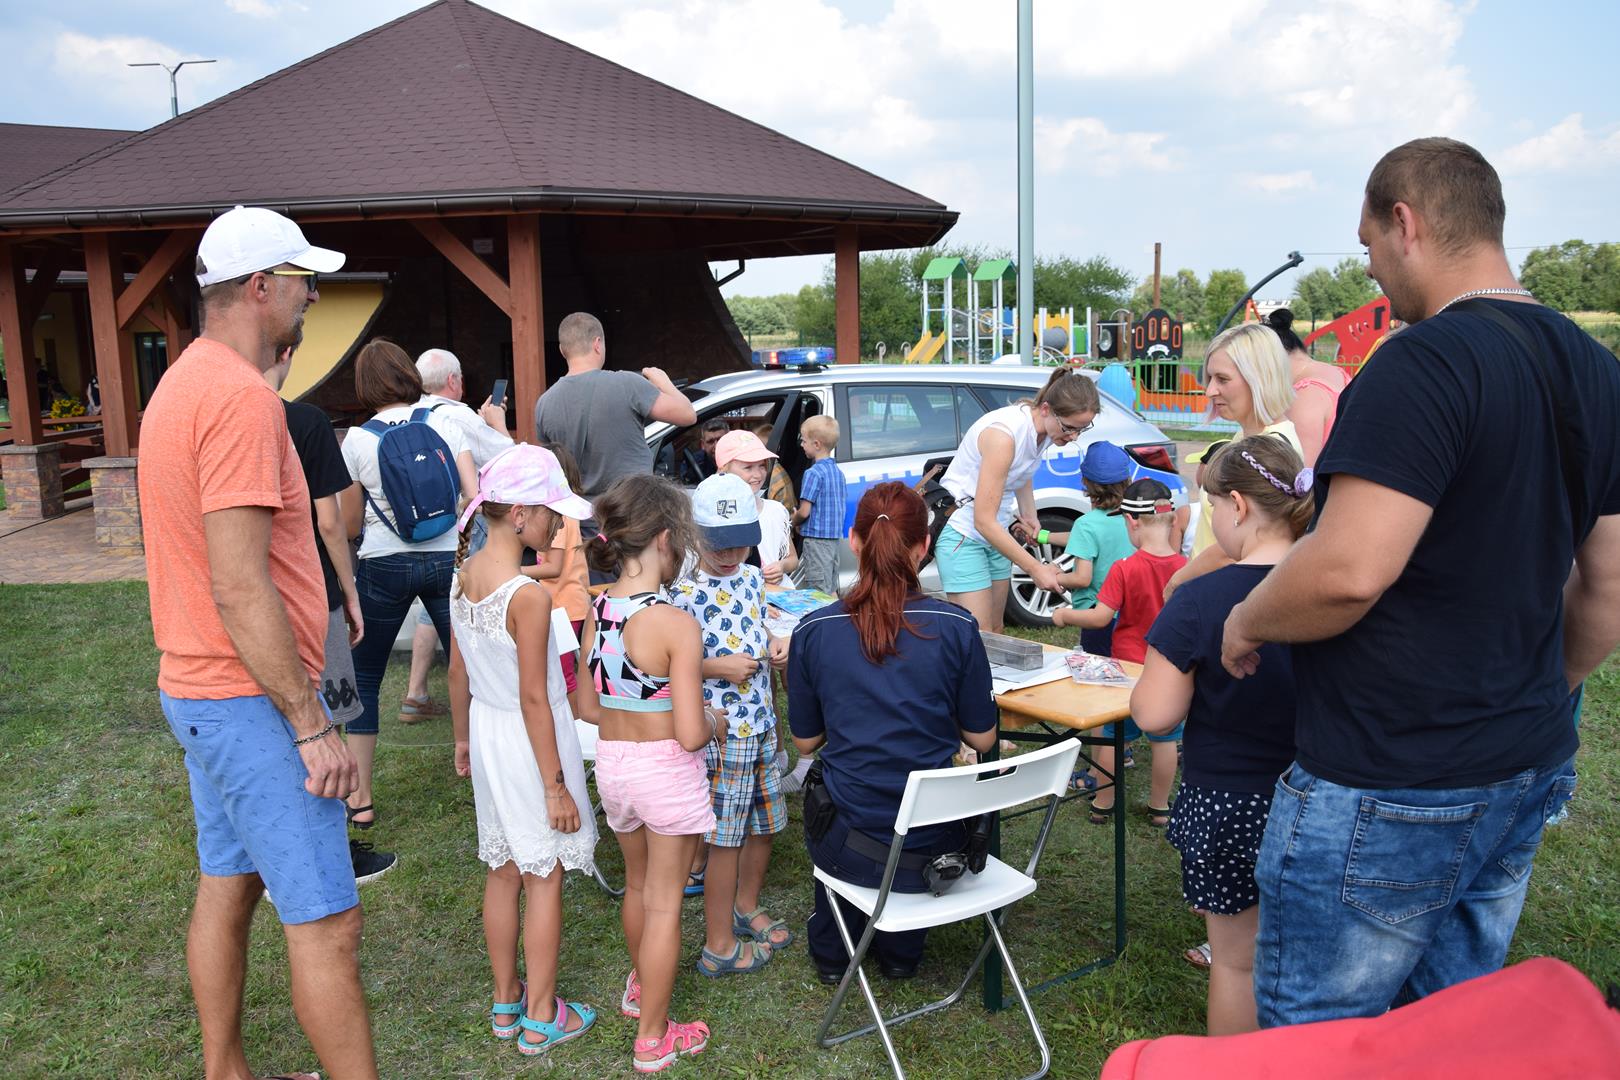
(1322, 295)
(1062, 281)
(1574, 276)
(814, 314)
(1181, 295)
(1224, 288)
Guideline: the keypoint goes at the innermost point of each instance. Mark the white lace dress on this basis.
(513, 825)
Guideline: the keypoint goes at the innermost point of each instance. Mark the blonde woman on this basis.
(1247, 380)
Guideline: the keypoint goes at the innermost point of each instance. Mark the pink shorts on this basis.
(656, 784)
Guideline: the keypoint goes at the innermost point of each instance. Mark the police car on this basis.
(892, 420)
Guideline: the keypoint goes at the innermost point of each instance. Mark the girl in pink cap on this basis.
(515, 737)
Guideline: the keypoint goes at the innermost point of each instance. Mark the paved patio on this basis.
(60, 551)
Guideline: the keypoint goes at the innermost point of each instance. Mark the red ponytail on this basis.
(890, 522)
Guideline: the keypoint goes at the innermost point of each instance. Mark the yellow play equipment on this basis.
(926, 349)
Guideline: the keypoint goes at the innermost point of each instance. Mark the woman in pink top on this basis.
(1317, 387)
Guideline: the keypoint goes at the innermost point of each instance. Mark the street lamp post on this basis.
(174, 97)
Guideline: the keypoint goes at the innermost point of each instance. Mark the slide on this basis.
(926, 349)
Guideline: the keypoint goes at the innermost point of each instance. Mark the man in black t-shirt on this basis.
(1438, 628)
(327, 476)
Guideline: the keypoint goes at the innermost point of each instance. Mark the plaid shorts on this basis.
(745, 789)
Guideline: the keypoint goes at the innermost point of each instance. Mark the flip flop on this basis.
(694, 884)
(1157, 818)
(1199, 957)
(1102, 815)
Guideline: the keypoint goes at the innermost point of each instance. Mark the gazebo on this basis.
(484, 179)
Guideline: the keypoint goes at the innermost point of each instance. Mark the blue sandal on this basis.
(555, 1032)
(509, 1008)
(743, 927)
(760, 955)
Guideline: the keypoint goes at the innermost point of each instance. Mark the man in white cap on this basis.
(239, 614)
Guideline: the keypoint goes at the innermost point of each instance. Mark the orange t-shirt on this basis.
(571, 588)
(214, 437)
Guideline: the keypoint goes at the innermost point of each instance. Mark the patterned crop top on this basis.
(619, 683)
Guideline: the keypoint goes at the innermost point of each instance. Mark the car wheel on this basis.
(1027, 605)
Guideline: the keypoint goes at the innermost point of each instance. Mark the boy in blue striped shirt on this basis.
(821, 511)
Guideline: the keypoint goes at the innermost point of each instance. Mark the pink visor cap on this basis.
(526, 475)
(740, 446)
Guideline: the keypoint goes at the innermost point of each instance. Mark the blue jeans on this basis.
(387, 584)
(1372, 899)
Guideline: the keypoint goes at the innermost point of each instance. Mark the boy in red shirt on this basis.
(1134, 591)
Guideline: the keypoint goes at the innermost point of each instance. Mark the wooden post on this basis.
(528, 319)
(847, 294)
(1155, 274)
(115, 359)
(16, 335)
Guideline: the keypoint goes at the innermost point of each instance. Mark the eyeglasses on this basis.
(313, 284)
(1072, 430)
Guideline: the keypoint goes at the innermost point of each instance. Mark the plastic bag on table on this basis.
(1095, 670)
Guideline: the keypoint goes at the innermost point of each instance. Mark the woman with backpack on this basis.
(413, 472)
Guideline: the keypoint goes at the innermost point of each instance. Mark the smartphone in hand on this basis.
(497, 396)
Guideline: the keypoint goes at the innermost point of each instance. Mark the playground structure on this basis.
(986, 334)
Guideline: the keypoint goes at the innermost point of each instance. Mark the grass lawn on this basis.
(98, 871)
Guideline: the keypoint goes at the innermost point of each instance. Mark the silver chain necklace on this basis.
(1471, 293)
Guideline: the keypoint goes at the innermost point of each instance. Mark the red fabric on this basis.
(1540, 1018)
(1134, 587)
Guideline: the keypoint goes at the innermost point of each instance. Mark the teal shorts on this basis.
(967, 565)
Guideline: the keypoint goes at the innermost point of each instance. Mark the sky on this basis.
(1232, 131)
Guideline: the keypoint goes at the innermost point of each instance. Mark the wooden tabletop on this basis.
(1067, 703)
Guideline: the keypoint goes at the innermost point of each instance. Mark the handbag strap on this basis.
(1563, 402)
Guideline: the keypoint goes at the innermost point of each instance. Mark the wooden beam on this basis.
(476, 270)
(39, 290)
(115, 360)
(528, 319)
(847, 293)
(16, 337)
(176, 246)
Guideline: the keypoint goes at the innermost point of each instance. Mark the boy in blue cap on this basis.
(1098, 538)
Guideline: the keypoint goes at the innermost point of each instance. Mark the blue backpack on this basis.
(419, 478)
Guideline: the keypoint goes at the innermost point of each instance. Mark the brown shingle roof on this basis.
(457, 104)
(28, 151)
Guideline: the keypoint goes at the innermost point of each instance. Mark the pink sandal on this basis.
(678, 1039)
(630, 1003)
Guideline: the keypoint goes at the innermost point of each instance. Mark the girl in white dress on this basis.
(515, 736)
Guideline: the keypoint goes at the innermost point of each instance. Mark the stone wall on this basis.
(118, 505)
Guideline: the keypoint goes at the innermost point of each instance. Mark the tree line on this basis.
(1573, 276)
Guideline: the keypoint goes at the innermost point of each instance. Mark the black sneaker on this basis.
(369, 865)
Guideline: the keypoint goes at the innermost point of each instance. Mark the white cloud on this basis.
(1072, 40)
(1086, 144)
(265, 9)
(1380, 64)
(1565, 146)
(1279, 183)
(103, 63)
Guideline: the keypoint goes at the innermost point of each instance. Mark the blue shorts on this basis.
(253, 814)
(1132, 732)
(967, 565)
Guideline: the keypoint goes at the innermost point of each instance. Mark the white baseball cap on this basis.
(250, 238)
(723, 506)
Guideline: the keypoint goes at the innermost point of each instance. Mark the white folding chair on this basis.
(587, 750)
(933, 797)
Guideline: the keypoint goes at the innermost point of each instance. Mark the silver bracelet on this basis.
(321, 734)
